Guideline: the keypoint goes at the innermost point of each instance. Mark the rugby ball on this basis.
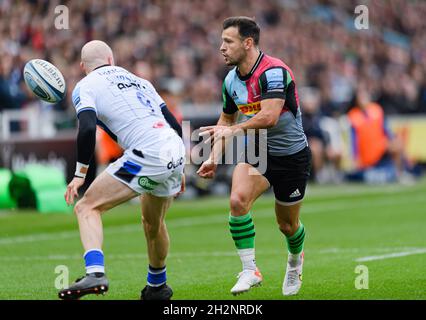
(44, 80)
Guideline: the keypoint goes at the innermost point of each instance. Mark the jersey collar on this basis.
(253, 69)
(104, 65)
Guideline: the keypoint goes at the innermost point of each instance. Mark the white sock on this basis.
(247, 258)
(294, 259)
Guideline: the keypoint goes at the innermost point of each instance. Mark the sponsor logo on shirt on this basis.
(174, 164)
(250, 108)
(122, 85)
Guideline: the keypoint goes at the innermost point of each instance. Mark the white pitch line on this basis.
(391, 255)
(360, 250)
(199, 254)
(341, 206)
(125, 256)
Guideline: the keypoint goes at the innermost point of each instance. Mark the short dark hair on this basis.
(247, 27)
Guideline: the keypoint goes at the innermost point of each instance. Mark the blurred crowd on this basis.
(175, 44)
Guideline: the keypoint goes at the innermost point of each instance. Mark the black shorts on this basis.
(288, 175)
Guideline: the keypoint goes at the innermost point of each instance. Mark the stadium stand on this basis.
(175, 44)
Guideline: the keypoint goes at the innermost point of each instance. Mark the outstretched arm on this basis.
(86, 141)
(219, 145)
(267, 117)
(208, 168)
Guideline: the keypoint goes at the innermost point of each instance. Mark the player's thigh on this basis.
(247, 183)
(106, 192)
(154, 208)
(289, 176)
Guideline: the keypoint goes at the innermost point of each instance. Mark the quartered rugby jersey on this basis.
(126, 106)
(269, 78)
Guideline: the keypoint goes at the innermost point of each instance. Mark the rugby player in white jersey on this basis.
(132, 112)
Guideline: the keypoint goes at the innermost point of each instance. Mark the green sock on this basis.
(242, 231)
(296, 241)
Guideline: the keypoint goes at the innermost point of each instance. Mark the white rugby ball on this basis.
(45, 80)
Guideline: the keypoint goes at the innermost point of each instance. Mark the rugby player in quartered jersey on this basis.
(269, 78)
(263, 89)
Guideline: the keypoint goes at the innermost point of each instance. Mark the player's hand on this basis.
(182, 187)
(215, 132)
(72, 190)
(207, 169)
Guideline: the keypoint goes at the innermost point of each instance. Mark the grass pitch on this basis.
(380, 227)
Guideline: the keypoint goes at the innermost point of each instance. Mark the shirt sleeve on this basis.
(86, 136)
(83, 98)
(274, 83)
(171, 120)
(229, 106)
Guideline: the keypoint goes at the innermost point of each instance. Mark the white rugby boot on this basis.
(246, 280)
(293, 277)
